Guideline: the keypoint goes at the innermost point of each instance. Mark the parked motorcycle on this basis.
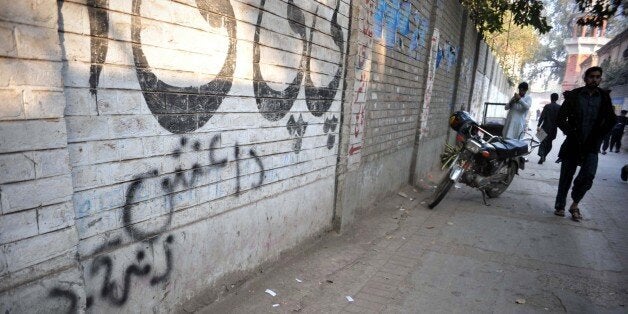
(482, 160)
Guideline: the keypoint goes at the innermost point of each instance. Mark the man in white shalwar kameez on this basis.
(517, 107)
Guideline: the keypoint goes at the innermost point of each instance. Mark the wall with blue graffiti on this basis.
(155, 152)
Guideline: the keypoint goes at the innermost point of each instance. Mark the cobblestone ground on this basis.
(510, 257)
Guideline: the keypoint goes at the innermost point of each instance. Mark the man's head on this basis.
(554, 97)
(523, 88)
(593, 77)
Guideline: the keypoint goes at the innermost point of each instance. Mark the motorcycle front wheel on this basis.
(441, 190)
(496, 189)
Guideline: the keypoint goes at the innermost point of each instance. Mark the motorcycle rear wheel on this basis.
(441, 190)
(496, 189)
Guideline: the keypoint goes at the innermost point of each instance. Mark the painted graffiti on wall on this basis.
(360, 86)
(446, 54)
(185, 109)
(144, 253)
(154, 235)
(98, 29)
(419, 34)
(432, 64)
(273, 104)
(394, 20)
(69, 295)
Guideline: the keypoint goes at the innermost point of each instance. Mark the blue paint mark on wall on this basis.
(439, 56)
(390, 23)
(378, 19)
(403, 17)
(395, 23)
(419, 33)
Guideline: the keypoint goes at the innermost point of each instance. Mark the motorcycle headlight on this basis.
(473, 146)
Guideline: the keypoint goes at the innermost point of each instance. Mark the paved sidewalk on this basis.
(462, 256)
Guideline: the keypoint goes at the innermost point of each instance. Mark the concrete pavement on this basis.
(513, 256)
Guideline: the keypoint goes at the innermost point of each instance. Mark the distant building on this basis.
(582, 46)
(615, 51)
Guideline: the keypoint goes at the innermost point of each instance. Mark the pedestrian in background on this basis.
(547, 122)
(517, 107)
(538, 114)
(606, 142)
(585, 117)
(618, 131)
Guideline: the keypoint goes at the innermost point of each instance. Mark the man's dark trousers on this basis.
(581, 184)
(546, 145)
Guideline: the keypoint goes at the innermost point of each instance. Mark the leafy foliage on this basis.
(597, 11)
(513, 48)
(493, 18)
(488, 15)
(615, 73)
(549, 61)
(449, 155)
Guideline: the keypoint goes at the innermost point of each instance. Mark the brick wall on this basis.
(153, 152)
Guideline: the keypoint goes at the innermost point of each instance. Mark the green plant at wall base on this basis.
(449, 155)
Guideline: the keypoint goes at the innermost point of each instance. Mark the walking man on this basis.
(613, 138)
(547, 122)
(585, 117)
(618, 131)
(517, 107)
(538, 114)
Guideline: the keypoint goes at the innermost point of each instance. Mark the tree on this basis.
(514, 47)
(615, 73)
(548, 64)
(597, 11)
(494, 17)
(488, 15)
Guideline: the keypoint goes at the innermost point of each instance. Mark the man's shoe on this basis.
(624, 173)
(575, 214)
(541, 160)
(559, 212)
(617, 151)
(603, 152)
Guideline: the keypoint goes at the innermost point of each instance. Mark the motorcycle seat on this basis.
(509, 148)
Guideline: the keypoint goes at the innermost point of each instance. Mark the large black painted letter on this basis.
(185, 109)
(272, 104)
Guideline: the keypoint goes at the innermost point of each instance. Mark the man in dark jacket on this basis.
(585, 117)
(548, 123)
(618, 131)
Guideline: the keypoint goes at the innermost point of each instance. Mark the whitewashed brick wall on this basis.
(150, 149)
(38, 238)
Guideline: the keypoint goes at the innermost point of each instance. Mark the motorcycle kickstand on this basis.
(484, 198)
